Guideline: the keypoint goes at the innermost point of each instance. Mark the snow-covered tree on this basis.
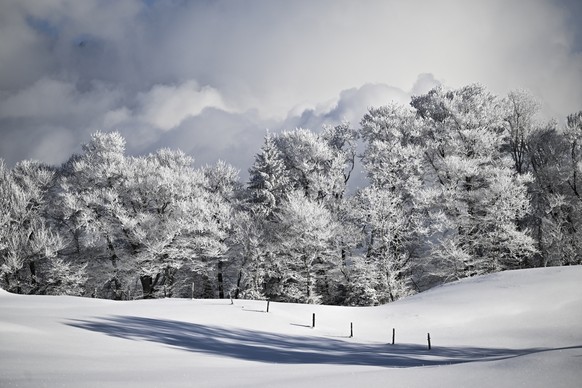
(90, 205)
(557, 167)
(65, 278)
(299, 162)
(480, 194)
(304, 254)
(157, 197)
(311, 164)
(224, 194)
(29, 245)
(249, 248)
(268, 179)
(342, 139)
(521, 109)
(389, 233)
(149, 216)
(393, 209)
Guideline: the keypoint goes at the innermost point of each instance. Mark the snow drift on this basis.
(506, 329)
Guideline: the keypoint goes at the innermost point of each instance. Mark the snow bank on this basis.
(506, 329)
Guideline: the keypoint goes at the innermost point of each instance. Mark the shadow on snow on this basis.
(287, 349)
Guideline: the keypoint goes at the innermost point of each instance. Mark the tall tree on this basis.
(90, 204)
(304, 253)
(157, 198)
(393, 207)
(312, 166)
(268, 180)
(29, 245)
(521, 109)
(566, 201)
(224, 193)
(481, 195)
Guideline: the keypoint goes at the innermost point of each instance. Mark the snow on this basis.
(515, 328)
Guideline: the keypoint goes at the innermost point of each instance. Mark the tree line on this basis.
(460, 183)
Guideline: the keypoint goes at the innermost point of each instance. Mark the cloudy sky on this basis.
(210, 77)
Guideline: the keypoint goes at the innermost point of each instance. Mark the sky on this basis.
(211, 77)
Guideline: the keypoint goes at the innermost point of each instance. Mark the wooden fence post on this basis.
(428, 338)
(268, 305)
(351, 329)
(313, 321)
(393, 335)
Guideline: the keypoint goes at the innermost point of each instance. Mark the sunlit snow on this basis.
(516, 328)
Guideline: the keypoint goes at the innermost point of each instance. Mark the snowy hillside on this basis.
(517, 328)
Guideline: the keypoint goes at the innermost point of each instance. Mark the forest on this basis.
(460, 182)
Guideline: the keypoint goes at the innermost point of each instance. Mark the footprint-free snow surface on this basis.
(516, 328)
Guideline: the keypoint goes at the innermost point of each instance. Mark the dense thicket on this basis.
(460, 183)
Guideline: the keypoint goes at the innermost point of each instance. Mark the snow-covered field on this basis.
(517, 328)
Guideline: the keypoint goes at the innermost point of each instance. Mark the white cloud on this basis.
(167, 106)
(201, 71)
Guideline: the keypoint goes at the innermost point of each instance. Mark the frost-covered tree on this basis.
(393, 209)
(387, 252)
(342, 139)
(481, 197)
(267, 179)
(312, 166)
(143, 218)
(158, 199)
(65, 278)
(224, 196)
(520, 116)
(304, 254)
(251, 253)
(90, 207)
(556, 156)
(300, 161)
(29, 244)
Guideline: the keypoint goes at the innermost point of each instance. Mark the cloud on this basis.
(51, 99)
(210, 77)
(351, 104)
(167, 106)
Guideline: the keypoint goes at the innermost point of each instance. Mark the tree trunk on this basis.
(33, 280)
(169, 280)
(220, 281)
(238, 282)
(147, 285)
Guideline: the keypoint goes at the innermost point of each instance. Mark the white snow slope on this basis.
(511, 329)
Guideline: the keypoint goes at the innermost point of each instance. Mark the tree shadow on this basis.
(287, 349)
(301, 325)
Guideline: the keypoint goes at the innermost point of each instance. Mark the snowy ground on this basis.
(511, 329)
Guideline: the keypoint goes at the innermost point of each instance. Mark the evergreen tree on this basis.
(268, 180)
